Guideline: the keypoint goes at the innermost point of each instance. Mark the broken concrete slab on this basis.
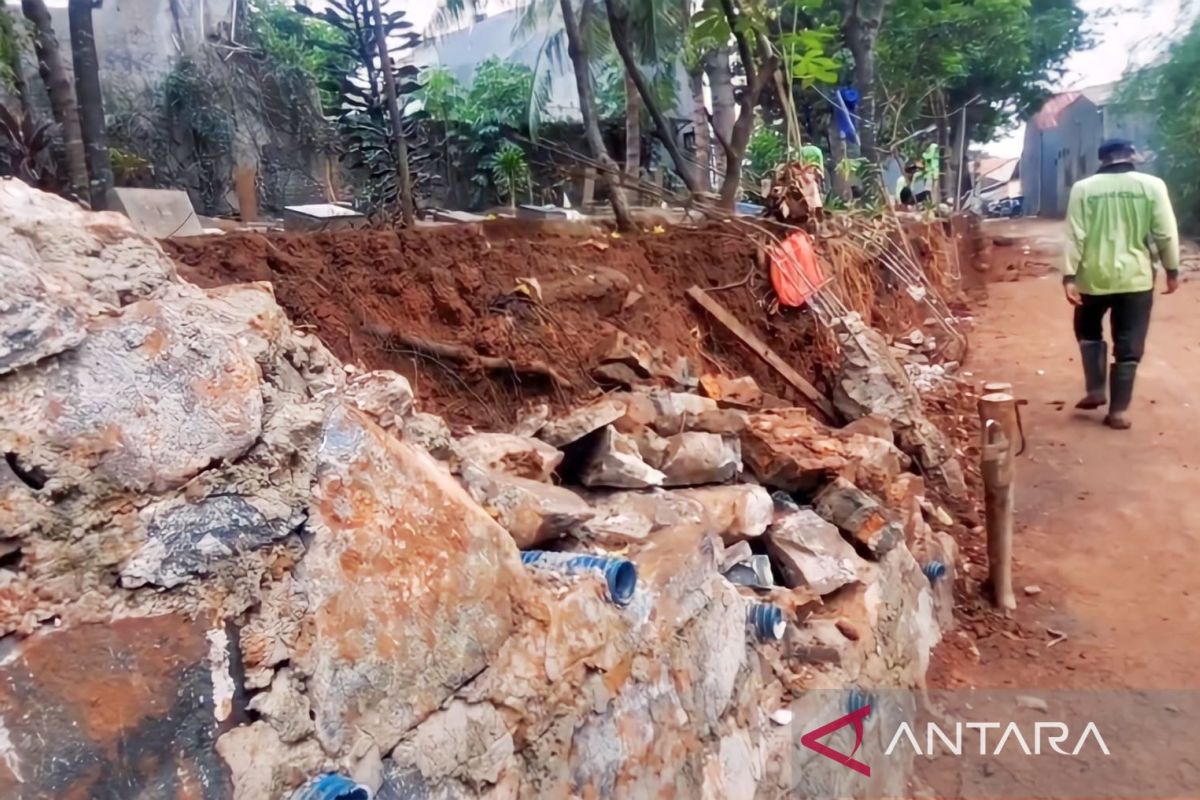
(859, 516)
(132, 711)
(411, 585)
(521, 456)
(579, 422)
(675, 410)
(531, 511)
(156, 213)
(616, 462)
(692, 458)
(811, 552)
(754, 572)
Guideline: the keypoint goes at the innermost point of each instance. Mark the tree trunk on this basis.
(724, 105)
(633, 129)
(860, 27)
(393, 109)
(577, 50)
(758, 73)
(91, 103)
(703, 165)
(617, 24)
(838, 156)
(62, 99)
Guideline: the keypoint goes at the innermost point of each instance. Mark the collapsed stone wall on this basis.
(230, 563)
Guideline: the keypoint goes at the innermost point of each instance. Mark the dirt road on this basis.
(1108, 522)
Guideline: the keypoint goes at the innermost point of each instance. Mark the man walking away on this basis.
(1112, 219)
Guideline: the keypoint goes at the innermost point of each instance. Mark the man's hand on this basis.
(1072, 293)
(1172, 284)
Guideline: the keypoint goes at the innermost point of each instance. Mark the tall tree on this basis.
(91, 104)
(759, 64)
(860, 26)
(621, 30)
(577, 50)
(62, 99)
(397, 122)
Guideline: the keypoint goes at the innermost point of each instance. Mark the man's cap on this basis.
(1112, 148)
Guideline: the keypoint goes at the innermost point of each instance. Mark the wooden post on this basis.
(998, 415)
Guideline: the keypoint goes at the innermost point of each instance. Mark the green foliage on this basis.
(806, 54)
(359, 105)
(193, 105)
(766, 151)
(936, 55)
(610, 90)
(1166, 93)
(10, 48)
(441, 95)
(510, 171)
(300, 44)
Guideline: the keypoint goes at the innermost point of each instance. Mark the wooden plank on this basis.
(760, 349)
(998, 415)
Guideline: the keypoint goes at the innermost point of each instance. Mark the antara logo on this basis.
(812, 740)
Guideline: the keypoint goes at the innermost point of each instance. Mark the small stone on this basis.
(782, 716)
(1033, 590)
(1032, 703)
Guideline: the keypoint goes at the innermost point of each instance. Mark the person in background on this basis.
(904, 192)
(813, 182)
(1113, 218)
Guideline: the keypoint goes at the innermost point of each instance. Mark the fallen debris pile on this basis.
(234, 564)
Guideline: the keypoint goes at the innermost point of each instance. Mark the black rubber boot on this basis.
(1120, 390)
(1094, 356)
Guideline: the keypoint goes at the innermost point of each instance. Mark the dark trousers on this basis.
(1130, 321)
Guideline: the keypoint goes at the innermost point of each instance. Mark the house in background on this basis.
(1061, 141)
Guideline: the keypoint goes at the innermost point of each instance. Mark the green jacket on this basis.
(1112, 218)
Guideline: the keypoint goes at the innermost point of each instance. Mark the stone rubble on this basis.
(264, 565)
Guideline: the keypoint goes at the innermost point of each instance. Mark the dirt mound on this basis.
(369, 293)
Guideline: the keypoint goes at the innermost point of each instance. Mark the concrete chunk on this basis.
(811, 552)
(616, 462)
(581, 421)
(692, 458)
(859, 516)
(530, 510)
(734, 512)
(521, 456)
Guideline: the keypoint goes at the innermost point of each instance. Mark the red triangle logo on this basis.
(811, 740)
